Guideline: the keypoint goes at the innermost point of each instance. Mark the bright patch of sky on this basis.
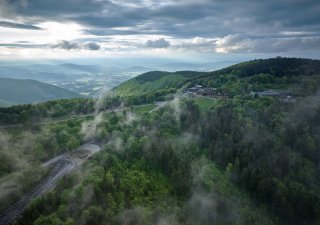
(171, 28)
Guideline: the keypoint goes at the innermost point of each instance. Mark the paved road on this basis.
(60, 166)
(159, 105)
(45, 122)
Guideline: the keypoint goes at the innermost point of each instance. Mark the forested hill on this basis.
(297, 75)
(275, 66)
(14, 91)
(230, 159)
(157, 82)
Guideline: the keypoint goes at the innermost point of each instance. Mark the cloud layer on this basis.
(159, 43)
(66, 45)
(18, 25)
(229, 26)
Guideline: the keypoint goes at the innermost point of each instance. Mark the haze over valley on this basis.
(159, 112)
(100, 76)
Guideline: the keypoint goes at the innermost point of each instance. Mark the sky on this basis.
(63, 29)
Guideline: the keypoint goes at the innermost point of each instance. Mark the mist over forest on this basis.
(152, 112)
(172, 148)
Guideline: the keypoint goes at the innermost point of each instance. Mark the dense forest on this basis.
(194, 160)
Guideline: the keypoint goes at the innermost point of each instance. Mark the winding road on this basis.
(59, 167)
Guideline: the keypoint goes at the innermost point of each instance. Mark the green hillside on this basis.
(13, 91)
(278, 67)
(155, 82)
(299, 76)
(275, 73)
(198, 159)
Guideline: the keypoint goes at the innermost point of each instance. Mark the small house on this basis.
(270, 93)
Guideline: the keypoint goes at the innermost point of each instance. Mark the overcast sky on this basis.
(168, 28)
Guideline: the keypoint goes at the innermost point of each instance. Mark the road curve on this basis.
(59, 167)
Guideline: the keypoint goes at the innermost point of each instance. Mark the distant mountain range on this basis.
(71, 71)
(92, 78)
(204, 67)
(14, 91)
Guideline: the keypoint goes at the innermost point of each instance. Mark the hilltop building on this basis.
(284, 96)
(206, 91)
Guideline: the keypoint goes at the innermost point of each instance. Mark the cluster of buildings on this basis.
(284, 96)
(206, 91)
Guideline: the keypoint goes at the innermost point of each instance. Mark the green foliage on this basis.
(204, 103)
(151, 76)
(135, 88)
(242, 160)
(277, 67)
(154, 85)
(139, 110)
(49, 220)
(110, 186)
(23, 150)
(157, 75)
(28, 114)
(299, 76)
(273, 153)
(208, 177)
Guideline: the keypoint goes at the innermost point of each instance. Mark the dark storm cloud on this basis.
(23, 45)
(183, 19)
(18, 25)
(111, 32)
(238, 43)
(57, 8)
(159, 43)
(177, 14)
(92, 46)
(67, 45)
